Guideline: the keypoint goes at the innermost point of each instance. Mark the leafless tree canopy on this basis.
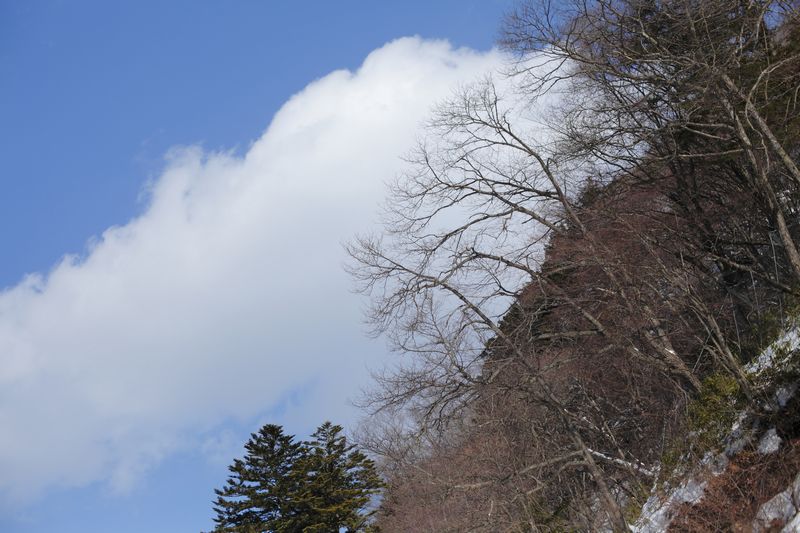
(559, 271)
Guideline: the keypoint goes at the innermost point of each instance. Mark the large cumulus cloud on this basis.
(225, 296)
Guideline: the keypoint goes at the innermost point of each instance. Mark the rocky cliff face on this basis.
(749, 480)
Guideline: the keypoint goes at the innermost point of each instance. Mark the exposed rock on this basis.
(776, 512)
(775, 354)
(785, 393)
(740, 435)
(769, 443)
(657, 513)
(793, 525)
(796, 491)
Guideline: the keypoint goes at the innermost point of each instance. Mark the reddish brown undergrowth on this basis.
(732, 499)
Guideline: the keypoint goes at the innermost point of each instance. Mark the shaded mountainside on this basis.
(584, 330)
(650, 255)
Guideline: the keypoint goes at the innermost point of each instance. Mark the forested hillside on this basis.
(580, 268)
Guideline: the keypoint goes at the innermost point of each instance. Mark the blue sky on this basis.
(173, 267)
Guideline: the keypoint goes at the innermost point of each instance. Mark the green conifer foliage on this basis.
(257, 492)
(336, 483)
(321, 485)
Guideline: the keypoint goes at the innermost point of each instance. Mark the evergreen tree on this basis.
(258, 491)
(321, 485)
(336, 483)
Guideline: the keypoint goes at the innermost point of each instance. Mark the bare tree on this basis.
(558, 290)
(682, 81)
(466, 231)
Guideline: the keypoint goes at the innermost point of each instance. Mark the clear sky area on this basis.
(178, 178)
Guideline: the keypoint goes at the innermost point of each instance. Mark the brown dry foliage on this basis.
(475, 484)
(731, 500)
(657, 279)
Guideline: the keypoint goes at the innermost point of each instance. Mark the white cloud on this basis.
(224, 296)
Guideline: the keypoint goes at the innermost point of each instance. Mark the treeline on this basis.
(559, 293)
(321, 485)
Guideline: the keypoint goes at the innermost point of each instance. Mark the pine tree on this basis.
(258, 491)
(336, 483)
(321, 485)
